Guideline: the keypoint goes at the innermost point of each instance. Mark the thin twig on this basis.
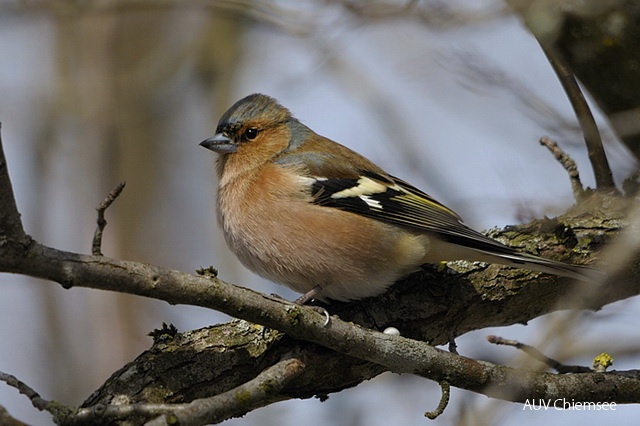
(536, 354)
(597, 155)
(36, 400)
(568, 164)
(445, 387)
(96, 247)
(56, 409)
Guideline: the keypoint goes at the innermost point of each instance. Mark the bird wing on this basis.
(392, 200)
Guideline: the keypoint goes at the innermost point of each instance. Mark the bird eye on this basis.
(251, 133)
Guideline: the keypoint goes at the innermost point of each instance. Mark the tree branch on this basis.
(262, 390)
(599, 42)
(11, 230)
(475, 297)
(597, 155)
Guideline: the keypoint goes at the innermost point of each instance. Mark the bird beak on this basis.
(220, 143)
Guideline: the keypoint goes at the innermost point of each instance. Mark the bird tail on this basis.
(474, 246)
(539, 264)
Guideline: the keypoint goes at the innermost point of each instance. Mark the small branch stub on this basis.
(568, 164)
(445, 387)
(96, 247)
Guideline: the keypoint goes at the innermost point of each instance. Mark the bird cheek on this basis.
(275, 140)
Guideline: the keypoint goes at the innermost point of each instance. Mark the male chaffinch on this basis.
(309, 213)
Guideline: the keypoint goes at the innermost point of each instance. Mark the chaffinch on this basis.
(309, 213)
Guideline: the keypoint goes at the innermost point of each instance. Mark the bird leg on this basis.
(302, 300)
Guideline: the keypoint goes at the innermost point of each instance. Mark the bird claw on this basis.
(302, 301)
(307, 297)
(322, 311)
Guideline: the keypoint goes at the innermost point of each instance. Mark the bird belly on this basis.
(304, 246)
